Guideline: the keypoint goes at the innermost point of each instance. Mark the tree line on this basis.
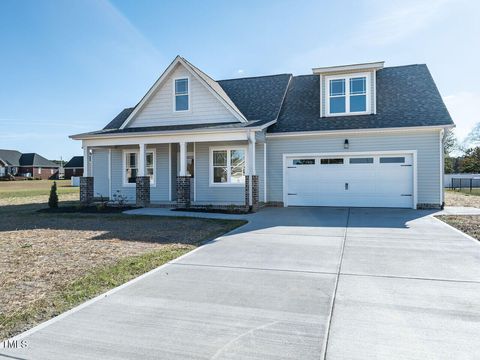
(467, 159)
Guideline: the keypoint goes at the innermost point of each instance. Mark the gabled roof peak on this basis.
(352, 67)
(206, 80)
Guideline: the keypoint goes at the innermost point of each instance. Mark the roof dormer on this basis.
(348, 89)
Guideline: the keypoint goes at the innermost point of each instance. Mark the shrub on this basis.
(53, 199)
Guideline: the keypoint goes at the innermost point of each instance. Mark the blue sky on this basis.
(68, 67)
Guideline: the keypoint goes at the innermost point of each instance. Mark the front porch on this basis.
(214, 173)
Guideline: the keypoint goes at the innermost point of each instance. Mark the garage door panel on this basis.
(372, 181)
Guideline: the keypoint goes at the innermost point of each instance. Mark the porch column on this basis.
(86, 162)
(183, 181)
(251, 154)
(142, 182)
(183, 159)
(86, 181)
(141, 160)
(251, 179)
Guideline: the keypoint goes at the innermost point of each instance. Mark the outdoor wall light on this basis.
(345, 144)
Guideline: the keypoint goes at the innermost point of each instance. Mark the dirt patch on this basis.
(455, 198)
(469, 224)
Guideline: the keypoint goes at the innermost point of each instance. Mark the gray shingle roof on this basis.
(10, 157)
(16, 158)
(75, 162)
(406, 96)
(258, 98)
(33, 159)
(215, 86)
(213, 126)
(119, 119)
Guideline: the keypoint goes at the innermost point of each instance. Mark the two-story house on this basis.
(356, 135)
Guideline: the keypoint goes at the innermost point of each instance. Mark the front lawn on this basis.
(27, 188)
(51, 262)
(469, 224)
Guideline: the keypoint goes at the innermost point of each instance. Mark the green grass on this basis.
(26, 188)
(108, 277)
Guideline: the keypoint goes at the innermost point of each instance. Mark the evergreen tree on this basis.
(53, 199)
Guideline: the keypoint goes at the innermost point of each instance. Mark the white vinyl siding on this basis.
(204, 106)
(100, 172)
(159, 192)
(425, 142)
(214, 194)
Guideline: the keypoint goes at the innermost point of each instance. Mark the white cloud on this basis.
(463, 108)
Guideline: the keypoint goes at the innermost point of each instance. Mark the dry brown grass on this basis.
(455, 198)
(30, 188)
(41, 253)
(469, 224)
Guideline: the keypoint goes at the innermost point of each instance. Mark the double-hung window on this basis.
(347, 94)
(130, 161)
(227, 166)
(182, 100)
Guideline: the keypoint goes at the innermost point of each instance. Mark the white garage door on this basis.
(363, 180)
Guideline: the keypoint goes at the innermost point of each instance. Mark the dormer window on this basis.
(182, 99)
(347, 94)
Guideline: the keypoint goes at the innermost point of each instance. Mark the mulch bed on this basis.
(214, 210)
(90, 209)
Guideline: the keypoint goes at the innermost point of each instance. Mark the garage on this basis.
(357, 180)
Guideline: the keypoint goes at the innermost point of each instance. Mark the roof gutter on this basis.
(349, 131)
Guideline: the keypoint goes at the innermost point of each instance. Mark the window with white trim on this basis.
(347, 94)
(182, 101)
(130, 168)
(228, 166)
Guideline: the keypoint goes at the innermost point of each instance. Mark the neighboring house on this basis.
(355, 135)
(74, 167)
(13, 162)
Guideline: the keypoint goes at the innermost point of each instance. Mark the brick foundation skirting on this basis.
(86, 189)
(427, 206)
(254, 187)
(142, 191)
(274, 204)
(255, 193)
(183, 191)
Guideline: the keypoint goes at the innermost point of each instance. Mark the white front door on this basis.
(377, 180)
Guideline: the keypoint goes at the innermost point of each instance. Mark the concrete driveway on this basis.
(296, 283)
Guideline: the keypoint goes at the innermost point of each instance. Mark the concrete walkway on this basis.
(296, 283)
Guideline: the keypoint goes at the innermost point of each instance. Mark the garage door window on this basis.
(392, 160)
(331, 161)
(367, 160)
(303, 162)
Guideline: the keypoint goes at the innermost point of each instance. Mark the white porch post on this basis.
(141, 160)
(251, 154)
(183, 159)
(251, 165)
(86, 163)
